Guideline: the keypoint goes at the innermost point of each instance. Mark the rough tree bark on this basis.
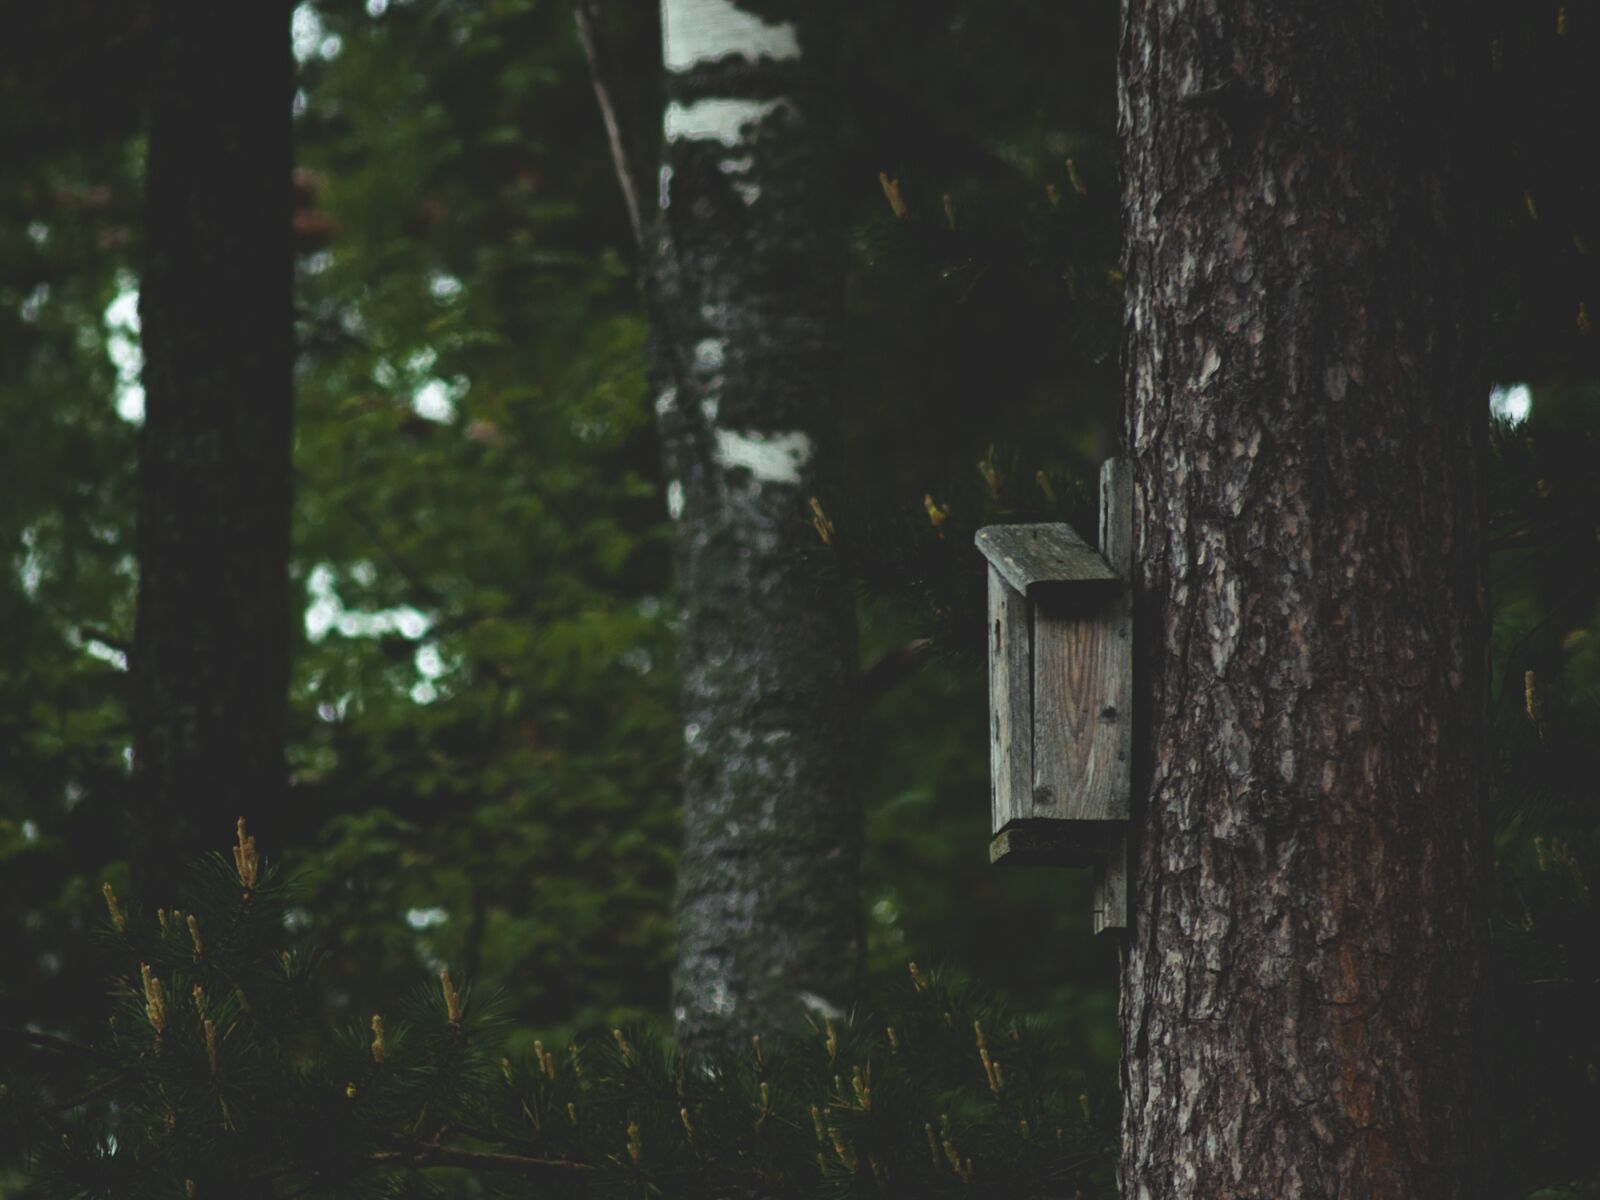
(747, 292)
(1302, 989)
(211, 643)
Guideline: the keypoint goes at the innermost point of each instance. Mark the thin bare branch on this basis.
(583, 14)
(893, 668)
(94, 1093)
(48, 1041)
(433, 1155)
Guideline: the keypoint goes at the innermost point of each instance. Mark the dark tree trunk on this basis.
(747, 293)
(1302, 991)
(210, 661)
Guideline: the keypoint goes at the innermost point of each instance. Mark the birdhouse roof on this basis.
(1029, 555)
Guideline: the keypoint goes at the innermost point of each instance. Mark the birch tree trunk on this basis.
(748, 287)
(211, 642)
(1302, 990)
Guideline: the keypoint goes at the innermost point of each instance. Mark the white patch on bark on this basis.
(719, 998)
(666, 401)
(664, 188)
(709, 356)
(710, 353)
(717, 120)
(675, 499)
(748, 192)
(697, 31)
(770, 457)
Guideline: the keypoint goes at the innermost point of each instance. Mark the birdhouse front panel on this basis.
(1081, 710)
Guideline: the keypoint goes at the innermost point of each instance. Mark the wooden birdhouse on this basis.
(1061, 693)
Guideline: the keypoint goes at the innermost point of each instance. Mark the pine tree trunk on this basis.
(1302, 990)
(210, 661)
(748, 286)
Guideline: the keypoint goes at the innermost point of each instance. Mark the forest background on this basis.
(484, 731)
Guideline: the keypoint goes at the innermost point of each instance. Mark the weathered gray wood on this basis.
(1029, 555)
(1116, 544)
(1082, 692)
(1010, 703)
(1059, 687)
(1054, 843)
(1080, 762)
(1111, 886)
(1116, 516)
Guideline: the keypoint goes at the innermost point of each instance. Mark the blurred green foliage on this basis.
(485, 740)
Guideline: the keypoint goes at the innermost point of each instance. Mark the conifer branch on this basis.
(431, 1154)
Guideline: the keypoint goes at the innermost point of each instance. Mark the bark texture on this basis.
(211, 645)
(747, 291)
(1302, 990)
